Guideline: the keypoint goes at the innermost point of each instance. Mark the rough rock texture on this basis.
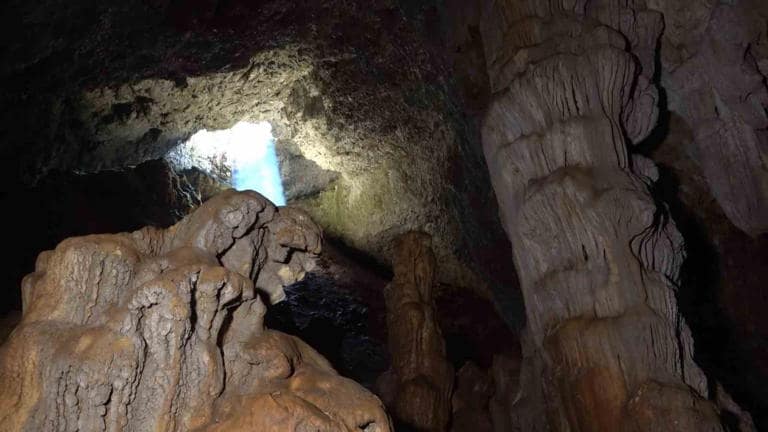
(335, 321)
(163, 330)
(420, 383)
(350, 86)
(474, 389)
(504, 403)
(339, 309)
(598, 259)
(723, 292)
(714, 56)
(204, 185)
(65, 205)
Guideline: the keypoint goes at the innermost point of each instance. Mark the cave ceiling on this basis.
(365, 112)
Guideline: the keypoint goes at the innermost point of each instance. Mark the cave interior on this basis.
(439, 241)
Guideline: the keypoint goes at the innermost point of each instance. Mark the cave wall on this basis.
(357, 89)
(714, 57)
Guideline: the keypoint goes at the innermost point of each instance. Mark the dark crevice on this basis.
(717, 350)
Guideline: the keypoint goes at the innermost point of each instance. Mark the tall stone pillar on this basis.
(598, 259)
(420, 382)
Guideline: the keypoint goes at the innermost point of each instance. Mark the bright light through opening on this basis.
(248, 149)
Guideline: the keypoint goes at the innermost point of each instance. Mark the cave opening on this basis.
(242, 156)
(443, 221)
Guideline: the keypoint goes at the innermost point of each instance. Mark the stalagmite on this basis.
(420, 383)
(162, 330)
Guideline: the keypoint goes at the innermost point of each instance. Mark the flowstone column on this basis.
(598, 259)
(420, 383)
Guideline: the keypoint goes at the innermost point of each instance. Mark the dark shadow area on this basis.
(473, 330)
(713, 274)
(719, 351)
(333, 322)
(64, 205)
(358, 257)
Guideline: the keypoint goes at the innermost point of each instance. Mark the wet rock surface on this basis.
(163, 330)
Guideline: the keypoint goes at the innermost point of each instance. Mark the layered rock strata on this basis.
(162, 330)
(420, 383)
(606, 347)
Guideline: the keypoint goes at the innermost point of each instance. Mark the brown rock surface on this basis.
(419, 385)
(163, 330)
(66, 204)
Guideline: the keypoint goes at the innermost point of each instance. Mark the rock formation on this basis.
(126, 80)
(505, 373)
(598, 258)
(474, 389)
(162, 330)
(419, 385)
(715, 64)
(66, 204)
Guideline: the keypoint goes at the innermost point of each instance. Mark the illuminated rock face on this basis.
(162, 330)
(606, 348)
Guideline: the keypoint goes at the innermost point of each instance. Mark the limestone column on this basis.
(421, 379)
(606, 348)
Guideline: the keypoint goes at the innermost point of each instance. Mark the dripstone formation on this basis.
(420, 383)
(598, 259)
(162, 330)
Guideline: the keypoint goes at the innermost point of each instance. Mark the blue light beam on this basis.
(250, 151)
(261, 174)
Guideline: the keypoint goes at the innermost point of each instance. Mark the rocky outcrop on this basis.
(714, 57)
(163, 330)
(598, 259)
(420, 383)
(504, 404)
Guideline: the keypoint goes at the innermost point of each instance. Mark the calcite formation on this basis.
(715, 64)
(420, 383)
(606, 348)
(162, 330)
